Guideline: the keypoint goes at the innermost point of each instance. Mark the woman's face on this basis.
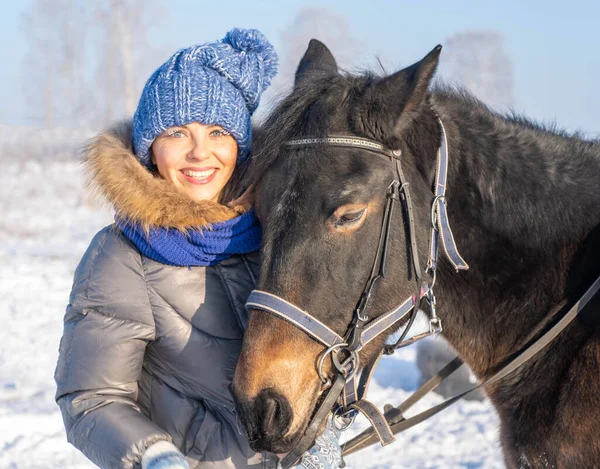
(198, 159)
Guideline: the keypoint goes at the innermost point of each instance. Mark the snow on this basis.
(47, 223)
(463, 436)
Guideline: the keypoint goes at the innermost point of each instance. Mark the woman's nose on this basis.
(199, 150)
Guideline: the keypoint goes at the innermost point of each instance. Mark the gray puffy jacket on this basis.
(149, 350)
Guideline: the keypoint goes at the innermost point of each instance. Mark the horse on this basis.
(523, 201)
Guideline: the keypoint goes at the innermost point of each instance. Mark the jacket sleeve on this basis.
(107, 326)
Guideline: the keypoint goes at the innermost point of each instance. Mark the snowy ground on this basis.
(46, 224)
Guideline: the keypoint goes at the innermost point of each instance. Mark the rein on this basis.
(394, 415)
(346, 390)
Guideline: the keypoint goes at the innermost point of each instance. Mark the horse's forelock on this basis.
(303, 113)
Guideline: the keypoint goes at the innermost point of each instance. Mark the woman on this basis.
(156, 315)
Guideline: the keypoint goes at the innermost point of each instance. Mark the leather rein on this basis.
(346, 390)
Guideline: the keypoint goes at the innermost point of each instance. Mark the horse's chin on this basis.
(280, 446)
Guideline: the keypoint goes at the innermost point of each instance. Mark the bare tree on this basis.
(310, 23)
(123, 28)
(478, 61)
(54, 65)
(87, 61)
(319, 23)
(127, 58)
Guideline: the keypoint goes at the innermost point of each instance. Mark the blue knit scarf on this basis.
(205, 247)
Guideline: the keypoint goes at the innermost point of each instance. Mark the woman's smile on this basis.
(199, 175)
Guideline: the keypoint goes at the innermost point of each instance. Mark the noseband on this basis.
(347, 391)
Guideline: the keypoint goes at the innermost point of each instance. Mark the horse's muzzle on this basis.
(267, 418)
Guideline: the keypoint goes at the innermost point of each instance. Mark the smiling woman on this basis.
(156, 315)
(196, 158)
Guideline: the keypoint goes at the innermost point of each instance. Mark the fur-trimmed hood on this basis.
(137, 194)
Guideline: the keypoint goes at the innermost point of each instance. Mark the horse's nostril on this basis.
(274, 413)
(272, 409)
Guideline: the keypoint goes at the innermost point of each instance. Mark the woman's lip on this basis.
(196, 168)
(196, 181)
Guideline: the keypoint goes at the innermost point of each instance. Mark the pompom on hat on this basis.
(214, 84)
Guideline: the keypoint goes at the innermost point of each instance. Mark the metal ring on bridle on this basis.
(341, 414)
(341, 367)
(433, 273)
(436, 199)
(325, 379)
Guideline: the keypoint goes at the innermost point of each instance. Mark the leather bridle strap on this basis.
(439, 216)
(383, 322)
(439, 213)
(414, 254)
(315, 329)
(410, 220)
(265, 301)
(277, 306)
(346, 141)
(395, 415)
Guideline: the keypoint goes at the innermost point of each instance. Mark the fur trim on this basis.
(136, 194)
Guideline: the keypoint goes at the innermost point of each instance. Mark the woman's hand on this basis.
(163, 455)
(326, 453)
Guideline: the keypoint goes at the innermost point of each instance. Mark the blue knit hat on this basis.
(214, 84)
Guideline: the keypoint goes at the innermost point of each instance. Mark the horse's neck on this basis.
(521, 202)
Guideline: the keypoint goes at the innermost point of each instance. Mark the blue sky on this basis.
(553, 45)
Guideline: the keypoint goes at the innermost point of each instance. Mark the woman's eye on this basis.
(175, 133)
(219, 133)
(351, 217)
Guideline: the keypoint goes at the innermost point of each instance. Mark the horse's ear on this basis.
(406, 90)
(317, 58)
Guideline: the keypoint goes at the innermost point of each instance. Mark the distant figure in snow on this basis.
(432, 356)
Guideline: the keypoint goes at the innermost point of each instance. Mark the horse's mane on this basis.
(460, 97)
(292, 117)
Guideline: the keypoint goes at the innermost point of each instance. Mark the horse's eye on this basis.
(349, 218)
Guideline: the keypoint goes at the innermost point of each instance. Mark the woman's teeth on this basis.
(199, 174)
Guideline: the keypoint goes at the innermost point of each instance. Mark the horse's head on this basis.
(322, 210)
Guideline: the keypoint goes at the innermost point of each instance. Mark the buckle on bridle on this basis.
(433, 213)
(349, 366)
(435, 323)
(363, 303)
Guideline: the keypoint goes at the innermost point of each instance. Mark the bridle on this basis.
(347, 390)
